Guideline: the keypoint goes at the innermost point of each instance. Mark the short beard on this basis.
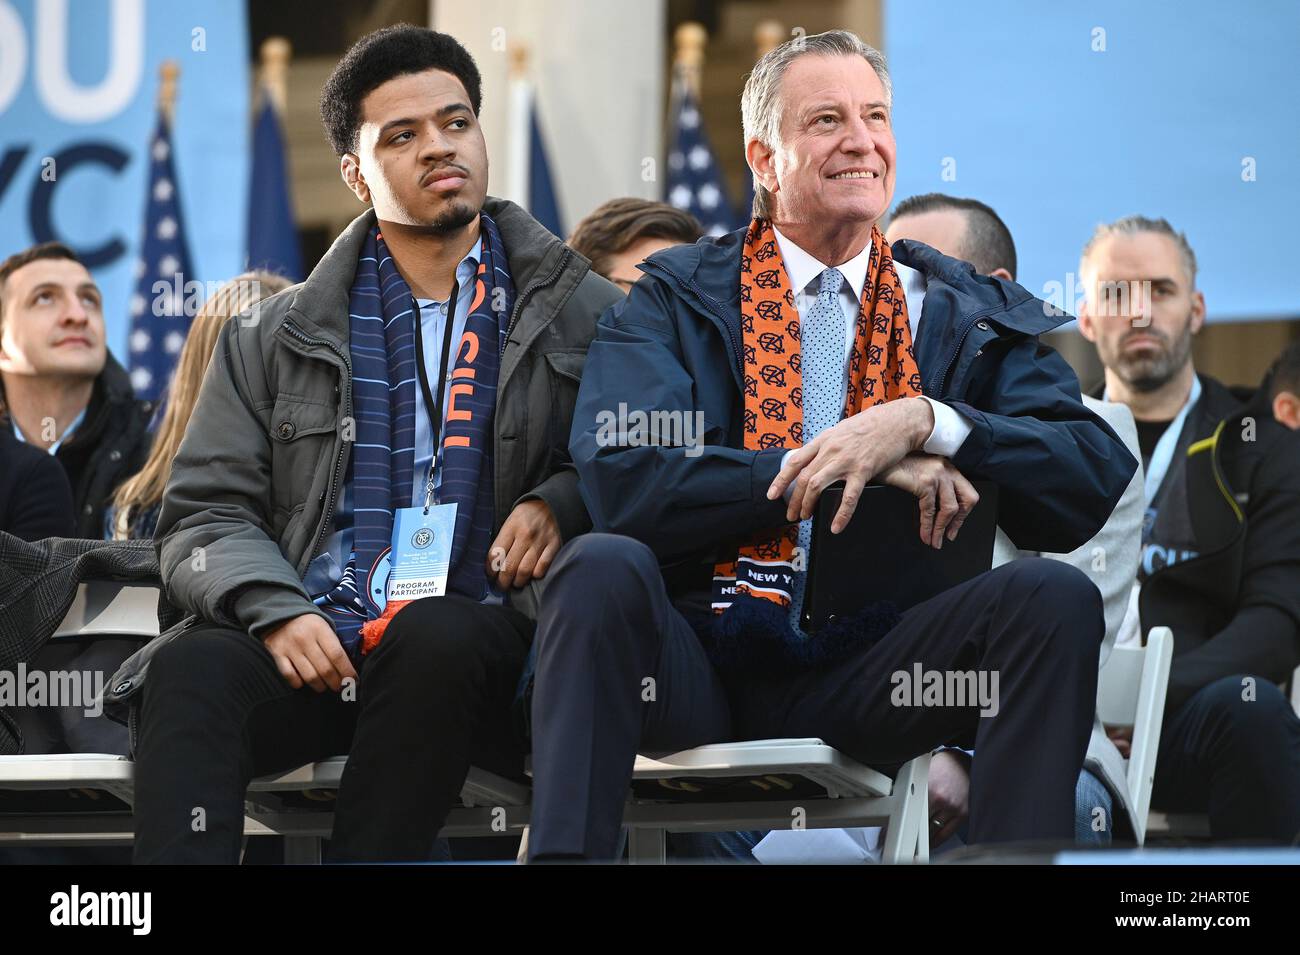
(456, 216)
(1152, 381)
(1151, 374)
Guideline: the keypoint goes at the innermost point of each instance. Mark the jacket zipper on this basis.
(332, 490)
(717, 310)
(715, 306)
(133, 729)
(532, 288)
(938, 380)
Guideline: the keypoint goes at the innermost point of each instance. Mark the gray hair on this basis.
(760, 104)
(1134, 225)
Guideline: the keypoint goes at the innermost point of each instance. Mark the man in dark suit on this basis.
(780, 359)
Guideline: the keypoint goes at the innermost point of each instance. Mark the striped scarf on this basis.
(383, 313)
(881, 369)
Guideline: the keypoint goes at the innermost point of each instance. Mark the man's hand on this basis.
(853, 451)
(949, 792)
(306, 650)
(1122, 737)
(946, 497)
(528, 542)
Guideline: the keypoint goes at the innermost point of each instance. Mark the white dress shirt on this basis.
(951, 428)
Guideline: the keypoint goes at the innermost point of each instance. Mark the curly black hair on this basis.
(378, 57)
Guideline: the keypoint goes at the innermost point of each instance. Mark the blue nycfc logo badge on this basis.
(422, 538)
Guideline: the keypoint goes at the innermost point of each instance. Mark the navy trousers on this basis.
(619, 670)
(1233, 751)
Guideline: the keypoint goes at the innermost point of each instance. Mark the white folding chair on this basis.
(771, 784)
(1131, 692)
(86, 798)
(836, 792)
(490, 805)
(777, 783)
(107, 609)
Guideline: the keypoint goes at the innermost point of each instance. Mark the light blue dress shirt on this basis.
(433, 322)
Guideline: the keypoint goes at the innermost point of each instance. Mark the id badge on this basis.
(421, 554)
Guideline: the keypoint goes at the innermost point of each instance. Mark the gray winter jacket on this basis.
(259, 473)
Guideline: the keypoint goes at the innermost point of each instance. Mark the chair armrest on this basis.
(105, 608)
(1147, 723)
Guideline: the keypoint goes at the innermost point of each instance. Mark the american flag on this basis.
(272, 232)
(159, 317)
(694, 179)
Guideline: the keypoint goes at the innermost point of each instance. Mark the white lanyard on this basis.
(1164, 449)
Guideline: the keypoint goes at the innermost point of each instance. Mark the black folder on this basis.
(880, 556)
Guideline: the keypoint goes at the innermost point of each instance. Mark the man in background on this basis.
(966, 229)
(622, 233)
(1220, 558)
(60, 389)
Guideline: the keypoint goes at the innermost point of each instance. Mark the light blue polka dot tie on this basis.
(821, 345)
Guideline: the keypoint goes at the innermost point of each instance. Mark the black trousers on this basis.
(1233, 751)
(620, 671)
(434, 697)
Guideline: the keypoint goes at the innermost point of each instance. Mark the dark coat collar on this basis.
(1216, 403)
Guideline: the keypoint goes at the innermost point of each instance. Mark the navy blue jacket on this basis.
(674, 345)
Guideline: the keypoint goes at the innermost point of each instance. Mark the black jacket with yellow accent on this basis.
(1234, 607)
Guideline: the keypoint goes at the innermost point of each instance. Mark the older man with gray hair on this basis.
(678, 622)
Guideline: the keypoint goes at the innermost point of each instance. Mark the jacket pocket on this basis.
(564, 374)
(294, 418)
(303, 435)
(121, 695)
(283, 518)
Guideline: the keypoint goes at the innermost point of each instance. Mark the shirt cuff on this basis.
(951, 428)
(789, 487)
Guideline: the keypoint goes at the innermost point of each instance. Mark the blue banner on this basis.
(1064, 115)
(78, 103)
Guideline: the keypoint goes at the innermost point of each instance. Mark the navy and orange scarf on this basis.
(382, 314)
(749, 628)
(882, 368)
